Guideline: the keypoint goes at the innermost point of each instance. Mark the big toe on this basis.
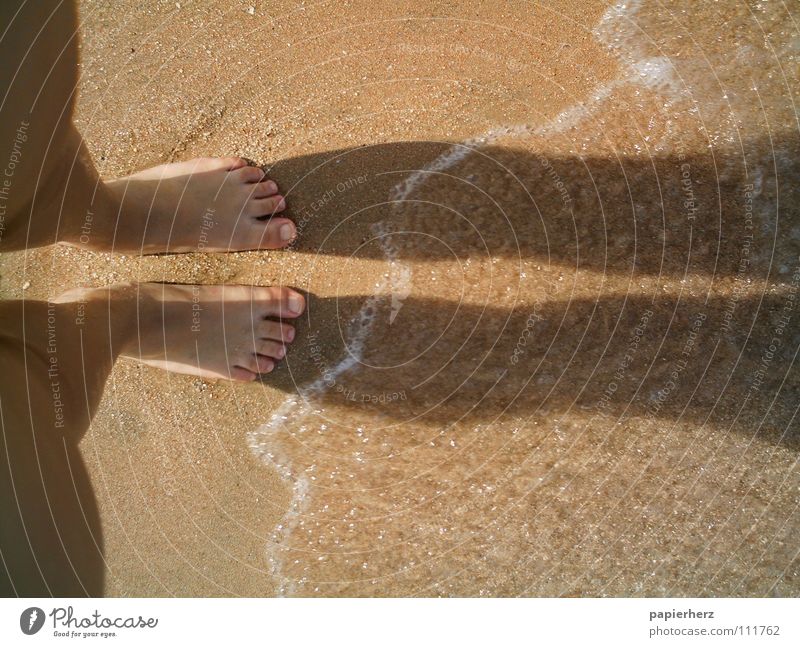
(269, 234)
(279, 302)
(205, 164)
(248, 174)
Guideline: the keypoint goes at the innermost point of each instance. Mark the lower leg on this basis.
(39, 50)
(56, 358)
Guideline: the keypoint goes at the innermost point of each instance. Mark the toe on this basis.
(272, 349)
(266, 206)
(248, 174)
(256, 364)
(270, 234)
(263, 189)
(279, 302)
(241, 374)
(274, 331)
(264, 364)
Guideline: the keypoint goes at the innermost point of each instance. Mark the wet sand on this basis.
(552, 254)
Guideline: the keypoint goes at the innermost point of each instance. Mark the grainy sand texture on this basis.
(553, 256)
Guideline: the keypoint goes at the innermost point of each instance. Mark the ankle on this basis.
(112, 311)
(93, 226)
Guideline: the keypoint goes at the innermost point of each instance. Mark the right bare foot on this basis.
(232, 332)
(214, 331)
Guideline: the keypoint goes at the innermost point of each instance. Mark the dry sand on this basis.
(547, 497)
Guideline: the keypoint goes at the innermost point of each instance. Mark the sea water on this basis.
(575, 374)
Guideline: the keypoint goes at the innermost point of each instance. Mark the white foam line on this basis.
(297, 407)
(618, 31)
(653, 72)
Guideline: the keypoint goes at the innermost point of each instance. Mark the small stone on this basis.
(251, 10)
(26, 285)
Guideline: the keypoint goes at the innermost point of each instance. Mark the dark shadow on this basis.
(690, 359)
(667, 215)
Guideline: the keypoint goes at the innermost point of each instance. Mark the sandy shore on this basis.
(189, 509)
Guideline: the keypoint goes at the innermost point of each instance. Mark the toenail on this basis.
(290, 334)
(295, 303)
(287, 232)
(271, 186)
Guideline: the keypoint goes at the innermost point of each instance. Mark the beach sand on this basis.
(525, 225)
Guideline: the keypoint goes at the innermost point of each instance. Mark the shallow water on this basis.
(574, 373)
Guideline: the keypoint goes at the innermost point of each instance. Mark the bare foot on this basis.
(211, 204)
(214, 331)
(233, 332)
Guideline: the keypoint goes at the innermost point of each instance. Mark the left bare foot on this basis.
(233, 332)
(209, 204)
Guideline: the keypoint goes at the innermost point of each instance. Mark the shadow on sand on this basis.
(669, 358)
(680, 272)
(671, 216)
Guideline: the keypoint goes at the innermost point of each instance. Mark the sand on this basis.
(553, 371)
